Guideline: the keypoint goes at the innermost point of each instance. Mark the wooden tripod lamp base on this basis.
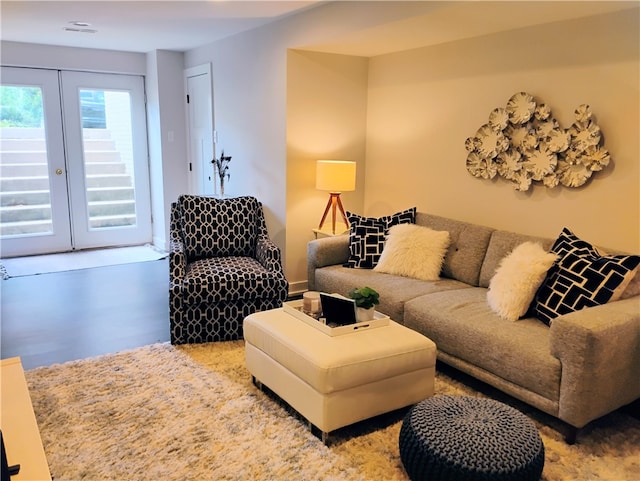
(333, 202)
(335, 176)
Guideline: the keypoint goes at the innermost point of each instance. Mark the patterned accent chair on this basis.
(222, 267)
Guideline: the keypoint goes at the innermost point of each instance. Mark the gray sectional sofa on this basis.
(585, 365)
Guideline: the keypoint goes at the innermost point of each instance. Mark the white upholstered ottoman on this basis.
(337, 381)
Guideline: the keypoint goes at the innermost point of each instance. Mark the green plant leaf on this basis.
(365, 297)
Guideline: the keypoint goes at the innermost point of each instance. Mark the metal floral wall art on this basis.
(524, 143)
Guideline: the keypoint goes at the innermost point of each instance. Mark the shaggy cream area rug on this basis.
(191, 413)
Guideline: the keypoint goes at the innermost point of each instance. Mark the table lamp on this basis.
(336, 176)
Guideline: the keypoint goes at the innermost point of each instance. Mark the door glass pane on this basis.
(25, 200)
(108, 158)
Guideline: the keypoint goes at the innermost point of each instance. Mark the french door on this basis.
(73, 161)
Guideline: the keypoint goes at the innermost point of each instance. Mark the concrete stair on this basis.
(25, 206)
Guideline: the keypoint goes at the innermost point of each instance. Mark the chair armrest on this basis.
(599, 350)
(268, 254)
(177, 258)
(326, 251)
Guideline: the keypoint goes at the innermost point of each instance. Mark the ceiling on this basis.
(437, 22)
(148, 25)
(138, 26)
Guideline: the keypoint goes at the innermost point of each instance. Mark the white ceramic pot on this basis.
(364, 315)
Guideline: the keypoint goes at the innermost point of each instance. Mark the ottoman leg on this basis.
(324, 436)
(256, 383)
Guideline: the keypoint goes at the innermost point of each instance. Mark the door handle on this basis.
(58, 171)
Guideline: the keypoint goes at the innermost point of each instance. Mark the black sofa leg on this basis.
(571, 434)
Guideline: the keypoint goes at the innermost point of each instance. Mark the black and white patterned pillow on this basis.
(580, 278)
(367, 236)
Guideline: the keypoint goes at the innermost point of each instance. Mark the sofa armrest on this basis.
(326, 251)
(177, 258)
(268, 254)
(599, 350)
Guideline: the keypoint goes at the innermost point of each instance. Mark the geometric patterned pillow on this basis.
(580, 278)
(367, 236)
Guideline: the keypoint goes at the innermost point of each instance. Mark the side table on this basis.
(319, 233)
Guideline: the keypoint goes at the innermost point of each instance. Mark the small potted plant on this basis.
(366, 300)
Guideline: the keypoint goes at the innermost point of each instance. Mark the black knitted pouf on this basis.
(462, 438)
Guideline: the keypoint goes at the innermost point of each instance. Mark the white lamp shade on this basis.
(336, 175)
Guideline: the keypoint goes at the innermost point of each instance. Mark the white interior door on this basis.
(201, 133)
(74, 164)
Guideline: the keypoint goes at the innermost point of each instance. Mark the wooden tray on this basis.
(294, 308)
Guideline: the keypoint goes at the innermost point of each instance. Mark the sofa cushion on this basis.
(218, 227)
(394, 290)
(222, 279)
(367, 236)
(414, 251)
(466, 250)
(517, 279)
(462, 325)
(581, 278)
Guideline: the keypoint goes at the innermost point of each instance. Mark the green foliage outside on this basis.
(20, 107)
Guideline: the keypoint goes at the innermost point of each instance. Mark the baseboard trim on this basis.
(296, 289)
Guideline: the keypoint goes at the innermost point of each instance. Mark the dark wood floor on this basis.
(59, 317)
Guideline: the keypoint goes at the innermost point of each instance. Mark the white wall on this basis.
(249, 108)
(424, 103)
(17, 54)
(250, 102)
(421, 106)
(166, 115)
(326, 119)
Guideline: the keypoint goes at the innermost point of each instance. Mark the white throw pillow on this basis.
(518, 277)
(414, 251)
